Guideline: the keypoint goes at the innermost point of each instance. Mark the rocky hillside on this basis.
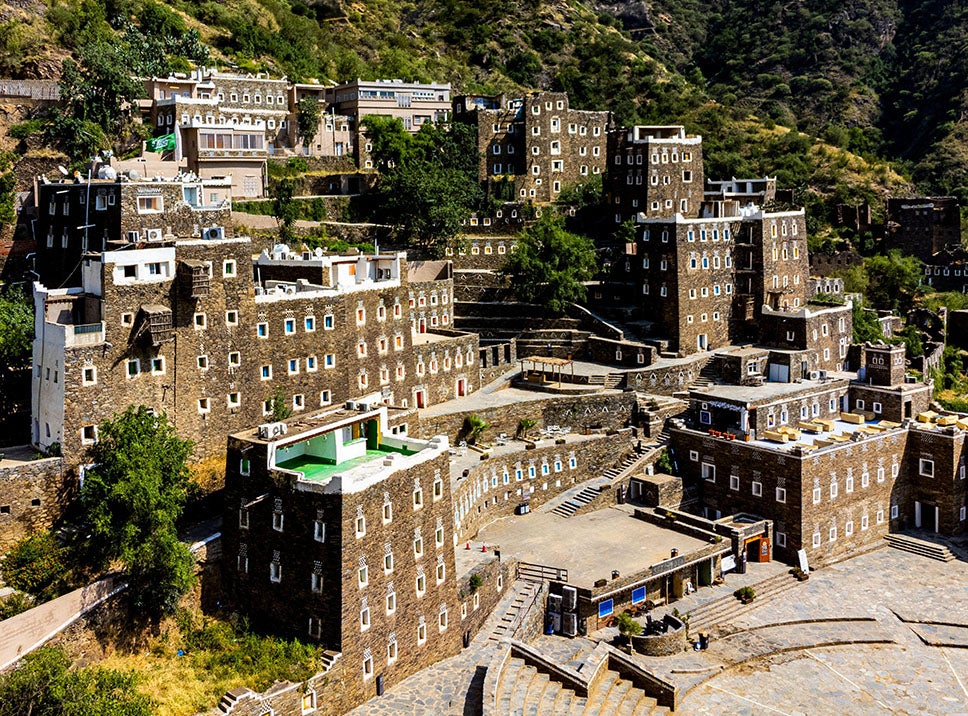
(732, 70)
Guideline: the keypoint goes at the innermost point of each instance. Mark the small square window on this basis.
(235, 359)
(158, 366)
(200, 321)
(290, 326)
(133, 368)
(204, 405)
(234, 400)
(89, 434)
(262, 330)
(202, 362)
(89, 376)
(231, 318)
(310, 323)
(228, 268)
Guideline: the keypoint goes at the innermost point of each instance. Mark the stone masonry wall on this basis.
(608, 411)
(495, 487)
(33, 495)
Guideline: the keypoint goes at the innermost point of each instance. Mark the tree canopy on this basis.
(308, 119)
(133, 497)
(550, 265)
(894, 280)
(16, 327)
(428, 183)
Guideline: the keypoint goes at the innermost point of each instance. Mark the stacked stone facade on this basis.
(74, 218)
(533, 147)
(840, 492)
(33, 494)
(707, 281)
(364, 565)
(922, 227)
(195, 328)
(653, 171)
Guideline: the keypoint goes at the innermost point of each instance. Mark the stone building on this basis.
(706, 281)
(947, 270)
(199, 329)
(335, 134)
(745, 191)
(81, 216)
(653, 171)
(339, 532)
(532, 147)
(922, 227)
(836, 460)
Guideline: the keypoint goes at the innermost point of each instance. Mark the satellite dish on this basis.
(62, 170)
(133, 175)
(318, 252)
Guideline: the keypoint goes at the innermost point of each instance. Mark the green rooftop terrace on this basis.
(318, 469)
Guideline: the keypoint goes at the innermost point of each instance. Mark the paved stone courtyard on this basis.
(883, 633)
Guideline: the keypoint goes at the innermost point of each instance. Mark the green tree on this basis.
(16, 327)
(894, 280)
(280, 408)
(390, 142)
(43, 684)
(550, 265)
(307, 119)
(866, 325)
(285, 208)
(133, 497)
(855, 278)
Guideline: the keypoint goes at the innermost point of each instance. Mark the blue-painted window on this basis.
(638, 595)
(605, 608)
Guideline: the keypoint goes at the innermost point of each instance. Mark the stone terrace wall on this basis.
(608, 411)
(484, 497)
(33, 495)
(474, 614)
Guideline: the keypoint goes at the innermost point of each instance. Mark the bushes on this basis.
(35, 565)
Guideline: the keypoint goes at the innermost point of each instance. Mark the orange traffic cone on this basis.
(468, 546)
(484, 547)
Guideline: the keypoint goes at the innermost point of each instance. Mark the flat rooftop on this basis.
(588, 545)
(771, 392)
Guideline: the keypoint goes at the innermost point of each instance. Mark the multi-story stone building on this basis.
(653, 172)
(335, 134)
(707, 280)
(81, 216)
(196, 328)
(922, 227)
(534, 146)
(834, 460)
(337, 531)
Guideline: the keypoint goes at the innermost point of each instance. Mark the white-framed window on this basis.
(262, 330)
(816, 495)
(133, 368)
(781, 494)
(420, 584)
(708, 472)
(367, 665)
(391, 602)
(442, 618)
(362, 574)
(319, 530)
(734, 482)
(421, 633)
(417, 498)
(235, 359)
(926, 467)
(231, 318)
(894, 512)
(316, 583)
(757, 488)
(289, 326)
(880, 517)
(864, 522)
(275, 572)
(309, 322)
(204, 405)
(832, 534)
(228, 268)
(849, 528)
(199, 321)
(834, 489)
(816, 539)
(781, 540)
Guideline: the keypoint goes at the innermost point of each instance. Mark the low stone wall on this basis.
(669, 379)
(672, 642)
(483, 497)
(477, 604)
(33, 494)
(622, 353)
(605, 411)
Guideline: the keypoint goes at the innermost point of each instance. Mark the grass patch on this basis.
(216, 656)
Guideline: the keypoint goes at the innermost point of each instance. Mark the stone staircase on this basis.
(233, 697)
(613, 380)
(526, 691)
(507, 623)
(728, 607)
(572, 504)
(907, 543)
(707, 376)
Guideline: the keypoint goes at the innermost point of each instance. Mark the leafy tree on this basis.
(43, 684)
(16, 327)
(894, 280)
(309, 112)
(134, 495)
(280, 408)
(866, 325)
(550, 265)
(390, 141)
(34, 565)
(285, 208)
(855, 278)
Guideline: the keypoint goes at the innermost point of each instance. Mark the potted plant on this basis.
(525, 426)
(745, 594)
(474, 427)
(800, 574)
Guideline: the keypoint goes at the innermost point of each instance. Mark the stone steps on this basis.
(728, 607)
(523, 596)
(906, 543)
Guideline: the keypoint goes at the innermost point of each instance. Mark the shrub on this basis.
(476, 581)
(627, 626)
(745, 593)
(14, 604)
(35, 564)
